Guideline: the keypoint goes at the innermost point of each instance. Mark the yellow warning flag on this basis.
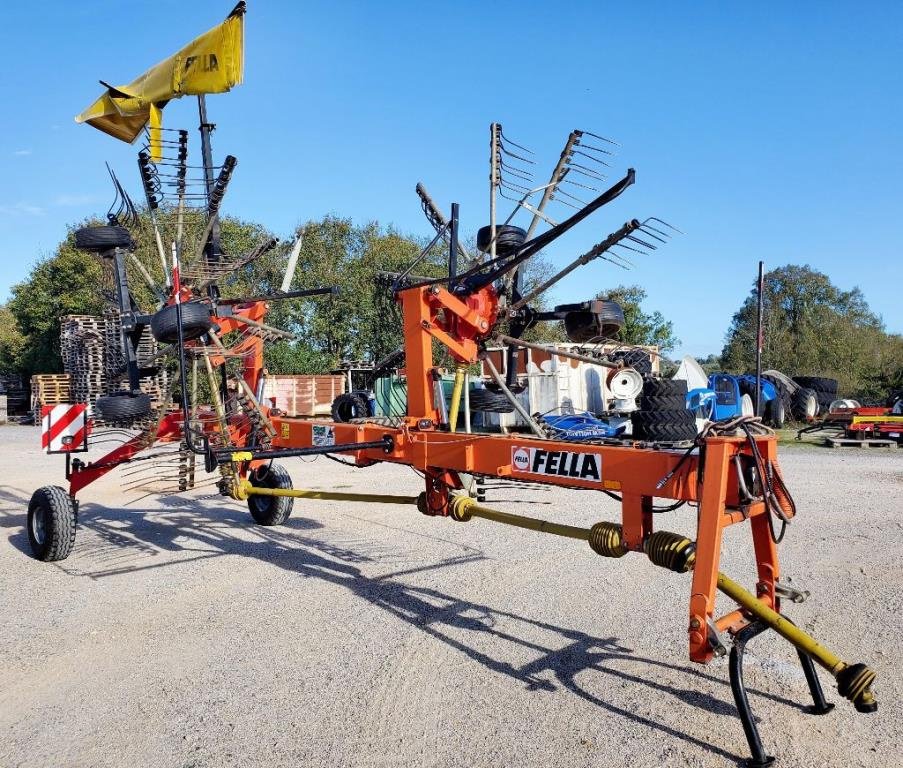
(212, 63)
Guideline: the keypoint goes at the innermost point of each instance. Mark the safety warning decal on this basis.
(537, 461)
(323, 435)
(64, 428)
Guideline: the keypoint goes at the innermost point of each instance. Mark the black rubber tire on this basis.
(349, 406)
(783, 392)
(637, 359)
(820, 384)
(51, 523)
(664, 426)
(663, 402)
(196, 321)
(799, 404)
(775, 413)
(582, 325)
(508, 239)
(102, 238)
(656, 387)
(488, 401)
(270, 510)
(123, 406)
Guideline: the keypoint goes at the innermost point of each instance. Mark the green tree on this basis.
(812, 327)
(641, 327)
(12, 342)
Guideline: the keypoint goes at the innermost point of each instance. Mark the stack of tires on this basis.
(663, 416)
(825, 390)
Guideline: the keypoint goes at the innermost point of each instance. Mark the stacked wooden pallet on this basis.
(83, 349)
(49, 389)
(12, 387)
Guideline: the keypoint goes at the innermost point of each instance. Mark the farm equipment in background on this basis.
(729, 471)
(735, 396)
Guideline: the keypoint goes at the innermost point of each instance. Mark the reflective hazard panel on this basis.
(64, 428)
(538, 461)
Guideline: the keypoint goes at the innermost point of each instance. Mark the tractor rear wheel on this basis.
(270, 510)
(51, 523)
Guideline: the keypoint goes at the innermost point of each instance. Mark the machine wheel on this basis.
(663, 402)
(655, 387)
(123, 406)
(103, 238)
(818, 384)
(637, 359)
(775, 414)
(270, 510)
(664, 426)
(195, 322)
(349, 406)
(805, 404)
(51, 523)
(582, 325)
(508, 239)
(488, 401)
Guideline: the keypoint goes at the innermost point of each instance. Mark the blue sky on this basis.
(763, 131)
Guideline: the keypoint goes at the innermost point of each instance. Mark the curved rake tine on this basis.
(572, 197)
(665, 223)
(590, 172)
(631, 248)
(655, 237)
(505, 138)
(645, 227)
(597, 149)
(601, 138)
(593, 158)
(637, 240)
(518, 157)
(578, 184)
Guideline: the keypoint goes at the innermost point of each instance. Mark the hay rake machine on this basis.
(730, 471)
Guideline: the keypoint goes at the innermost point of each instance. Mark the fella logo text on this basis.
(536, 461)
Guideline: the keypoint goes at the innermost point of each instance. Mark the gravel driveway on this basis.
(178, 634)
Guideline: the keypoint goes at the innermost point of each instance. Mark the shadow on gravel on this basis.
(134, 540)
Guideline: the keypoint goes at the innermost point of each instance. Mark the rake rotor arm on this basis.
(593, 253)
(532, 247)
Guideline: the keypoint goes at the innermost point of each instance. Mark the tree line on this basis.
(811, 326)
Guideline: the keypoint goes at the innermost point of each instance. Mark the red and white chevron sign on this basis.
(64, 428)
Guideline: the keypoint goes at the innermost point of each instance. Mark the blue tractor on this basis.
(736, 396)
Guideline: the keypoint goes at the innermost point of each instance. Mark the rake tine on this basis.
(665, 223)
(505, 138)
(631, 248)
(646, 226)
(601, 138)
(655, 237)
(597, 149)
(518, 157)
(593, 158)
(578, 184)
(572, 197)
(590, 172)
(637, 240)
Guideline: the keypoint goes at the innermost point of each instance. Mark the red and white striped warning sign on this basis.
(64, 428)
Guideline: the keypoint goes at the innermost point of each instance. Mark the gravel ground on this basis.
(179, 635)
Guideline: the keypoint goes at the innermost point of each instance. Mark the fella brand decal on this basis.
(536, 461)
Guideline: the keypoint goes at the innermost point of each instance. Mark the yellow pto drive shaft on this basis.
(677, 553)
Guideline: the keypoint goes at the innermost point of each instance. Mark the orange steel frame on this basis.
(709, 479)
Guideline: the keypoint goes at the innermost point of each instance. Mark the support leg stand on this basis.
(759, 758)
